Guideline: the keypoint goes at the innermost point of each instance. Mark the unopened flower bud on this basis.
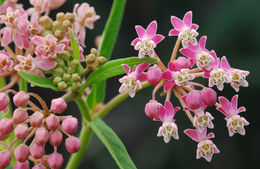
(93, 51)
(69, 16)
(72, 144)
(4, 100)
(56, 25)
(37, 151)
(209, 96)
(75, 77)
(6, 126)
(57, 80)
(90, 58)
(5, 159)
(66, 24)
(152, 109)
(23, 165)
(182, 63)
(101, 60)
(58, 105)
(19, 116)
(55, 160)
(70, 125)
(52, 122)
(60, 16)
(46, 22)
(55, 138)
(75, 63)
(4, 136)
(76, 86)
(66, 55)
(62, 86)
(21, 153)
(66, 77)
(41, 136)
(61, 62)
(71, 70)
(38, 167)
(21, 131)
(36, 119)
(21, 99)
(59, 34)
(193, 100)
(154, 75)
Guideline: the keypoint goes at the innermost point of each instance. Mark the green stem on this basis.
(83, 107)
(22, 85)
(116, 100)
(85, 137)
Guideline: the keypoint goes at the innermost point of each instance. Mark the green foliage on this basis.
(38, 80)
(112, 143)
(74, 45)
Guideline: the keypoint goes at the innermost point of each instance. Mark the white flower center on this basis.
(146, 46)
(203, 121)
(207, 150)
(204, 59)
(237, 124)
(238, 78)
(182, 78)
(189, 36)
(218, 76)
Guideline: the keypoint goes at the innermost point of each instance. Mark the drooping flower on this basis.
(235, 123)
(202, 120)
(205, 148)
(185, 30)
(169, 128)
(85, 16)
(6, 63)
(147, 40)
(132, 80)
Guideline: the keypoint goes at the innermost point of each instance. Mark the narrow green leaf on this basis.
(91, 98)
(114, 68)
(38, 80)
(74, 45)
(114, 145)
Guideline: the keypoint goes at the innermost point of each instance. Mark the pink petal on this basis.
(167, 75)
(60, 48)
(46, 64)
(127, 68)
(151, 29)
(224, 63)
(194, 26)
(82, 35)
(135, 41)
(192, 134)
(162, 113)
(234, 101)
(177, 23)
(211, 135)
(142, 77)
(188, 52)
(168, 85)
(187, 19)
(18, 40)
(174, 32)
(169, 108)
(140, 68)
(202, 42)
(222, 111)
(38, 40)
(157, 38)
(225, 104)
(214, 64)
(140, 31)
(241, 109)
(7, 39)
(172, 66)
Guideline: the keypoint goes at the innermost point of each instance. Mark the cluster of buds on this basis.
(42, 45)
(196, 62)
(93, 60)
(33, 127)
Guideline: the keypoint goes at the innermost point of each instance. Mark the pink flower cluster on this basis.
(196, 62)
(35, 130)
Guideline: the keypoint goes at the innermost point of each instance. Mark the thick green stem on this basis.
(22, 85)
(83, 107)
(85, 137)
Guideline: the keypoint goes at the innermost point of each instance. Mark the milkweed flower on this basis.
(6, 63)
(147, 40)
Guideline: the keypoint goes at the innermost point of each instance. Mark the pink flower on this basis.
(85, 16)
(16, 27)
(132, 80)
(39, 6)
(237, 76)
(181, 63)
(10, 3)
(6, 63)
(147, 39)
(169, 128)
(235, 123)
(202, 120)
(206, 148)
(54, 4)
(185, 30)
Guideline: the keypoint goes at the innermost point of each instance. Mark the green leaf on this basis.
(114, 68)
(74, 45)
(38, 80)
(1, 2)
(93, 98)
(112, 143)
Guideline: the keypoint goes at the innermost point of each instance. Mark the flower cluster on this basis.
(178, 78)
(33, 127)
(42, 44)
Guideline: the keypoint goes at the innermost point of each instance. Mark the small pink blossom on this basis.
(10, 3)
(132, 81)
(147, 40)
(6, 63)
(202, 120)
(169, 128)
(54, 4)
(185, 30)
(39, 6)
(85, 16)
(206, 148)
(235, 123)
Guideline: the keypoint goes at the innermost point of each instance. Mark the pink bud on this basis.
(41, 136)
(152, 109)
(21, 131)
(5, 159)
(70, 125)
(4, 136)
(21, 99)
(55, 138)
(55, 160)
(21, 153)
(72, 144)
(19, 116)
(24, 165)
(209, 96)
(38, 167)
(37, 151)
(52, 122)
(193, 100)
(6, 126)
(4, 100)
(183, 63)
(154, 75)
(36, 119)
(58, 105)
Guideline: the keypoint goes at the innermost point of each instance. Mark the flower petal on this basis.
(202, 42)
(174, 32)
(168, 85)
(187, 19)
(127, 68)
(169, 108)
(224, 63)
(188, 52)
(151, 29)
(140, 31)
(157, 38)
(177, 23)
(193, 134)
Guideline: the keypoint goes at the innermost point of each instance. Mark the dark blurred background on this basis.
(233, 30)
